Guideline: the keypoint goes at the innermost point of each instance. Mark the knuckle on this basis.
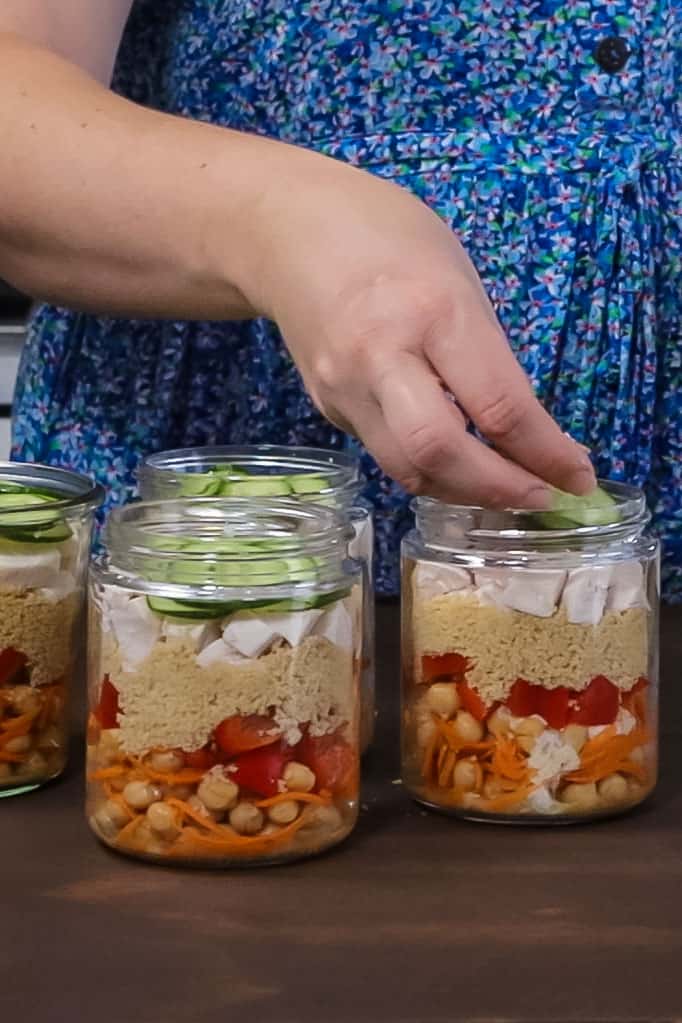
(413, 482)
(426, 449)
(499, 417)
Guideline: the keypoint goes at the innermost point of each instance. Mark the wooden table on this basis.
(417, 919)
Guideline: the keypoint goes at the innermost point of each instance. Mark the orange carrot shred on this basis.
(300, 797)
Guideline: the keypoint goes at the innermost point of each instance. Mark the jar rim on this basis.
(80, 493)
(476, 525)
(339, 468)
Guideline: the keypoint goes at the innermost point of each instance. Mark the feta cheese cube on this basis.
(542, 801)
(534, 591)
(625, 723)
(436, 579)
(551, 757)
(585, 592)
(360, 546)
(628, 587)
(61, 586)
(29, 570)
(136, 629)
(251, 634)
(196, 635)
(336, 625)
(218, 652)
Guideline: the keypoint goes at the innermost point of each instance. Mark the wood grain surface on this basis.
(416, 919)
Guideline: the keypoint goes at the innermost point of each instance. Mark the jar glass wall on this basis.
(530, 661)
(331, 478)
(223, 681)
(45, 532)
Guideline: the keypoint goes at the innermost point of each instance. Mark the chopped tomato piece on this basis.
(243, 733)
(597, 705)
(635, 700)
(201, 759)
(107, 710)
(11, 661)
(260, 770)
(554, 705)
(472, 702)
(523, 699)
(332, 760)
(440, 665)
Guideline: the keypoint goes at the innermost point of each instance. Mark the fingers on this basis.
(424, 437)
(476, 363)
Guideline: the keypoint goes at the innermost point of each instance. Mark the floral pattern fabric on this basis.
(563, 180)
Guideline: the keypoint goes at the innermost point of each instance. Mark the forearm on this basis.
(113, 208)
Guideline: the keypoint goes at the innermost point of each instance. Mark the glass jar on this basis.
(530, 660)
(311, 474)
(223, 681)
(45, 531)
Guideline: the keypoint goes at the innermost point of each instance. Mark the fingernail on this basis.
(582, 481)
(538, 499)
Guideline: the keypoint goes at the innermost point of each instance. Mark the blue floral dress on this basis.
(546, 132)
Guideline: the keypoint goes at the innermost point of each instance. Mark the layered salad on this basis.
(41, 566)
(224, 732)
(528, 690)
(210, 473)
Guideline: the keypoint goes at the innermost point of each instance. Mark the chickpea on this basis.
(298, 777)
(465, 775)
(426, 730)
(109, 819)
(614, 789)
(492, 788)
(218, 793)
(284, 813)
(637, 755)
(109, 748)
(498, 723)
(140, 795)
(246, 819)
(203, 810)
(442, 698)
(20, 744)
(527, 731)
(25, 700)
(324, 818)
(582, 797)
(575, 736)
(467, 728)
(166, 761)
(148, 842)
(50, 738)
(35, 764)
(164, 821)
(182, 792)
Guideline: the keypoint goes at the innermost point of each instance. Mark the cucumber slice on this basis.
(261, 486)
(200, 484)
(31, 526)
(190, 610)
(308, 483)
(569, 511)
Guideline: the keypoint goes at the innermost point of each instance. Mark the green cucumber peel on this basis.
(568, 510)
(190, 610)
(31, 526)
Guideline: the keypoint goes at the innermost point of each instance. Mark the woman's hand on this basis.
(395, 338)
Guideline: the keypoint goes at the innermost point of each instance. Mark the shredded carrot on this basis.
(608, 753)
(11, 758)
(507, 801)
(454, 741)
(104, 773)
(14, 727)
(187, 776)
(188, 811)
(300, 797)
(130, 828)
(192, 842)
(429, 753)
(509, 762)
(448, 766)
